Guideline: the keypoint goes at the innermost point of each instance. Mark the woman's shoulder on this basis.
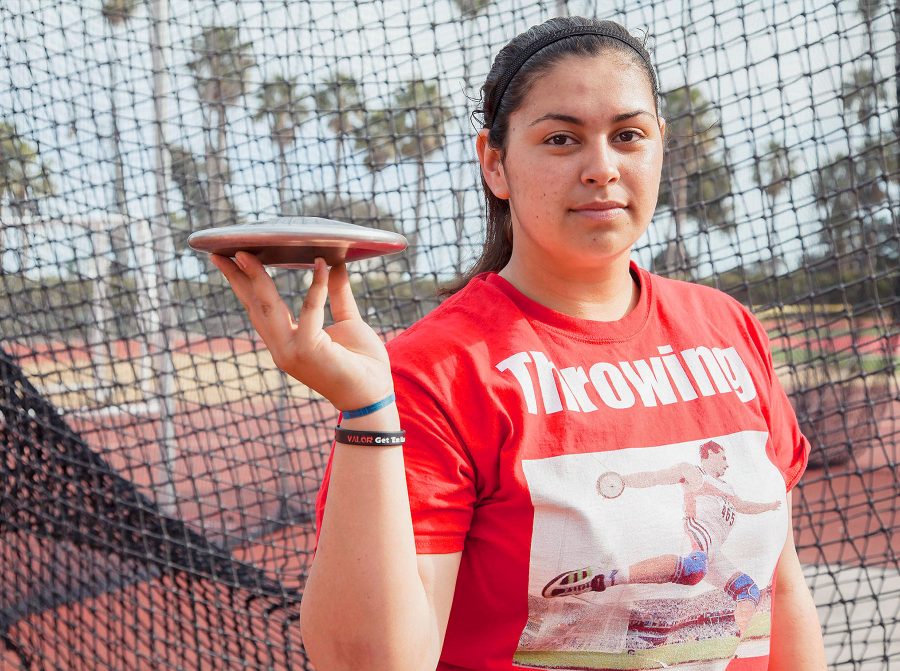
(693, 305)
(702, 297)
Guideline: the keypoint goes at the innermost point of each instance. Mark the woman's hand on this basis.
(346, 362)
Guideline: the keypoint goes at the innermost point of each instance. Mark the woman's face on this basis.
(582, 164)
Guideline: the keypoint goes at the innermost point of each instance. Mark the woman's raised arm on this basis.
(365, 604)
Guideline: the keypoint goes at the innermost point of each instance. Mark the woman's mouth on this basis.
(601, 210)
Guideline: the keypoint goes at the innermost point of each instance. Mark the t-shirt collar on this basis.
(587, 329)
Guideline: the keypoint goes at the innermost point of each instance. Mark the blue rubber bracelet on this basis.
(369, 409)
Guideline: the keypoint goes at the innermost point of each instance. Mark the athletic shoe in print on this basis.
(575, 582)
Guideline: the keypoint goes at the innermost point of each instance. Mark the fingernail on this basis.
(239, 261)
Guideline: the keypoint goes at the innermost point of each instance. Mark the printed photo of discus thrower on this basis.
(710, 507)
(654, 555)
(295, 242)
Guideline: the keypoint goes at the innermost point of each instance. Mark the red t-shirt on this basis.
(617, 489)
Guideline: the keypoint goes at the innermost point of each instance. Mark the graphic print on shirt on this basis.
(653, 557)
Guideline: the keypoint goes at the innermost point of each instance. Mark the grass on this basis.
(844, 361)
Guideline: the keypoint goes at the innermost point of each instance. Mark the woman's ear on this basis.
(491, 165)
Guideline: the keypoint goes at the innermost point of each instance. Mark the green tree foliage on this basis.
(850, 191)
(773, 173)
(471, 8)
(340, 101)
(220, 67)
(280, 106)
(412, 128)
(860, 238)
(696, 181)
(378, 138)
(24, 180)
(861, 94)
(118, 12)
(423, 113)
(774, 170)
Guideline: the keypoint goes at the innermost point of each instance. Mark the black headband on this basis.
(547, 40)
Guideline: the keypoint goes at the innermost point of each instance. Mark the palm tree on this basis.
(279, 105)
(471, 8)
(413, 127)
(220, 67)
(339, 99)
(696, 181)
(851, 184)
(869, 10)
(775, 171)
(861, 94)
(24, 179)
(423, 114)
(858, 236)
(378, 139)
(773, 174)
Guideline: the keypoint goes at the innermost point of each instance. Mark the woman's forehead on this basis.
(582, 85)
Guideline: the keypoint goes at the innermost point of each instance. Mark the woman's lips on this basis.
(603, 212)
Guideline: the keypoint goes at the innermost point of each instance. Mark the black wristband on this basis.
(369, 438)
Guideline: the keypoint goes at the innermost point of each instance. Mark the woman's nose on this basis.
(601, 165)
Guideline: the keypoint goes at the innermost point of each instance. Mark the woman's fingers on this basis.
(239, 282)
(340, 293)
(257, 292)
(312, 312)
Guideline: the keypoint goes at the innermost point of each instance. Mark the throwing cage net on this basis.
(158, 473)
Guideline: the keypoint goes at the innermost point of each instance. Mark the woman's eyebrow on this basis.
(568, 118)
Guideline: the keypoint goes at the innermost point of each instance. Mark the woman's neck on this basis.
(604, 294)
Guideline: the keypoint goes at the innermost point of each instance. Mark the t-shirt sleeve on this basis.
(439, 472)
(791, 448)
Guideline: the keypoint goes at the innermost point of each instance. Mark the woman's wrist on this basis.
(385, 418)
(369, 408)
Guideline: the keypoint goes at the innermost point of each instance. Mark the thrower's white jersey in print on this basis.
(709, 512)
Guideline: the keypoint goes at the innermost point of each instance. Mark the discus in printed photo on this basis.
(610, 485)
(295, 242)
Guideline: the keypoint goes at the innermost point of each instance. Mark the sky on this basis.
(771, 70)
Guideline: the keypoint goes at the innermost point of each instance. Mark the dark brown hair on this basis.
(497, 249)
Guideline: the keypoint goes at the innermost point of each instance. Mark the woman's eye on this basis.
(558, 140)
(629, 135)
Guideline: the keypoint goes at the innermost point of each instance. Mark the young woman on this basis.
(561, 500)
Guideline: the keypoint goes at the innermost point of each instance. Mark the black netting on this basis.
(158, 473)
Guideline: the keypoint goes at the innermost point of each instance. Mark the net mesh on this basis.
(158, 473)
